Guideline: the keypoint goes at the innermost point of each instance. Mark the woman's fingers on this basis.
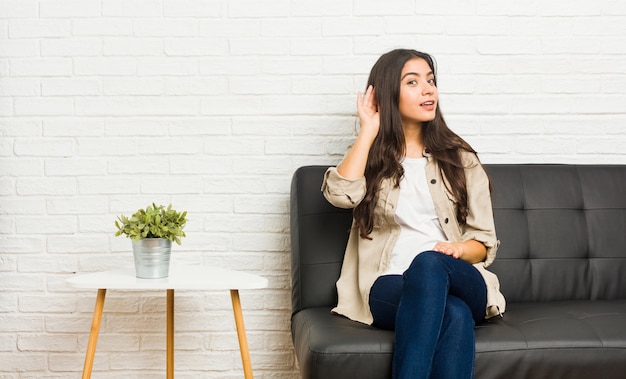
(369, 100)
(367, 110)
(449, 248)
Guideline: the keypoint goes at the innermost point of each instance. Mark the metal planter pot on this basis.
(152, 257)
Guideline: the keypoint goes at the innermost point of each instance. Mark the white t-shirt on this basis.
(420, 229)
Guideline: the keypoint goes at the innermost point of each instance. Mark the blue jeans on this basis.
(433, 308)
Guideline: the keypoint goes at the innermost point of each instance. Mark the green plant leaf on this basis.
(153, 222)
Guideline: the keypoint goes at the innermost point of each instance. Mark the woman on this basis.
(423, 229)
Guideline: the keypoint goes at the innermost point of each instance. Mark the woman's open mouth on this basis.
(428, 105)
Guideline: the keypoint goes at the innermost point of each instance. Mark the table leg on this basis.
(170, 334)
(241, 334)
(93, 335)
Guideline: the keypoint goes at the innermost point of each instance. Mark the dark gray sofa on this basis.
(561, 264)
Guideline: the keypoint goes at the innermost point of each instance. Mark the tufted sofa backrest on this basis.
(562, 230)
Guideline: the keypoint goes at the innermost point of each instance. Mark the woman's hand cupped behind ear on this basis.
(367, 110)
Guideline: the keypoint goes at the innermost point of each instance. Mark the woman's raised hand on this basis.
(353, 165)
(367, 110)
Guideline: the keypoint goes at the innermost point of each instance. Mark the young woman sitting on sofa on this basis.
(423, 229)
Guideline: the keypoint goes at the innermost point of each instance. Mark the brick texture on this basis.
(109, 105)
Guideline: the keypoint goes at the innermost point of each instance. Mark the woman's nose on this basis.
(427, 88)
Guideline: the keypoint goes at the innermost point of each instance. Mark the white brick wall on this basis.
(108, 105)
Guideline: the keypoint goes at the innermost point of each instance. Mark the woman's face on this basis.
(418, 93)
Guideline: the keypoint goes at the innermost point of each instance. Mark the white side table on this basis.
(181, 277)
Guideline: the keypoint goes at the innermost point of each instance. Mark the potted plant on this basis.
(152, 231)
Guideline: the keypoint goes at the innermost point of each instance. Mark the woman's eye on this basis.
(412, 82)
(431, 81)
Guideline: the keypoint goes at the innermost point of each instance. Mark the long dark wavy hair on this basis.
(388, 149)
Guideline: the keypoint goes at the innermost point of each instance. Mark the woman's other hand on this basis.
(470, 251)
(454, 249)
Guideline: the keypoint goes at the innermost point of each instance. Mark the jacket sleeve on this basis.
(480, 224)
(342, 192)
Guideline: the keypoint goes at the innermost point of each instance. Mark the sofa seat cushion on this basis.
(569, 339)
(332, 346)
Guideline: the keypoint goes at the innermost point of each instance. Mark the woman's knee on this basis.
(426, 262)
